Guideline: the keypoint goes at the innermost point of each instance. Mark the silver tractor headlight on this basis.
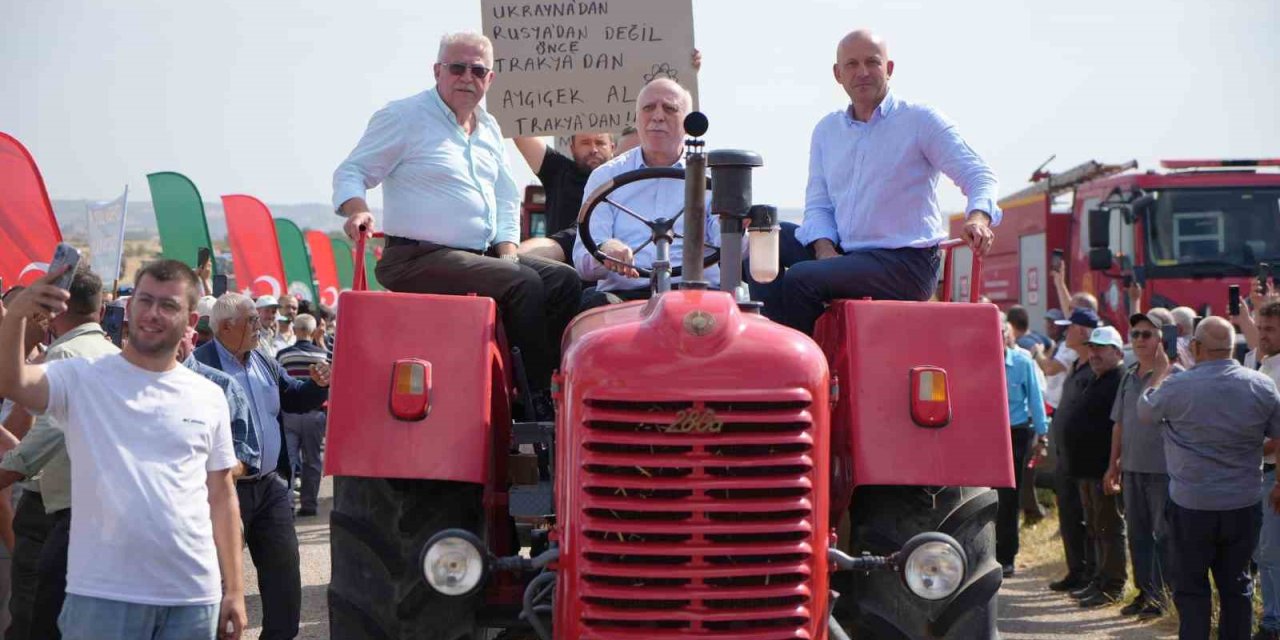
(935, 566)
(454, 562)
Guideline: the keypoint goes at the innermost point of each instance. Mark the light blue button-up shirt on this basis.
(660, 198)
(872, 185)
(438, 183)
(264, 398)
(1026, 403)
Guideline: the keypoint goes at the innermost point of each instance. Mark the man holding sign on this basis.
(452, 205)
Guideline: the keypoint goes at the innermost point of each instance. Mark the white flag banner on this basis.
(106, 237)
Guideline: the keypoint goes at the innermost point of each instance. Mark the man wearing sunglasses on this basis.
(1138, 470)
(451, 208)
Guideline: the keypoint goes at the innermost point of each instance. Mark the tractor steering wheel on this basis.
(658, 226)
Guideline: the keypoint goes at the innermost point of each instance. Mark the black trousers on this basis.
(52, 588)
(266, 510)
(31, 527)
(536, 297)
(1104, 525)
(1220, 542)
(1075, 538)
(1023, 439)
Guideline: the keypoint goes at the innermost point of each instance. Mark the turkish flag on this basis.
(28, 230)
(324, 266)
(255, 252)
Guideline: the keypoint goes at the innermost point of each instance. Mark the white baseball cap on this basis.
(204, 306)
(1106, 336)
(266, 301)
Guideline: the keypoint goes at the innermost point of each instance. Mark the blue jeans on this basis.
(85, 618)
(1145, 498)
(1268, 557)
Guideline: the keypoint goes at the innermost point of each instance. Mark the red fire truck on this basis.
(715, 475)
(1184, 233)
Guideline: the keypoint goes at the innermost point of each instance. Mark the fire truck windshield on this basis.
(1215, 227)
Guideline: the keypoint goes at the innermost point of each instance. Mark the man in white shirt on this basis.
(661, 107)
(155, 550)
(1264, 359)
(451, 208)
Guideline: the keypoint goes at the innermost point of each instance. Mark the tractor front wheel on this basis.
(878, 605)
(377, 530)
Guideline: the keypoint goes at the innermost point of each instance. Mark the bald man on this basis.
(1215, 418)
(871, 219)
(660, 110)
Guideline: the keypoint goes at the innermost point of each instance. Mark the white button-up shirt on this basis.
(872, 184)
(439, 184)
(658, 198)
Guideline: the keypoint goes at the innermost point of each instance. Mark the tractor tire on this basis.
(377, 531)
(879, 606)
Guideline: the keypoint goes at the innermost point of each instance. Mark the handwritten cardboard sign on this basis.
(576, 67)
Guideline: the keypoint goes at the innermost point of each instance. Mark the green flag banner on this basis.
(342, 256)
(297, 265)
(180, 217)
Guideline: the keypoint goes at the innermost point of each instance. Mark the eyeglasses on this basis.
(458, 68)
(1141, 333)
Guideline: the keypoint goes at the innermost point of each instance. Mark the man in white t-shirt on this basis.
(155, 541)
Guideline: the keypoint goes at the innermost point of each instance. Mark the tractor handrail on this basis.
(359, 282)
(975, 271)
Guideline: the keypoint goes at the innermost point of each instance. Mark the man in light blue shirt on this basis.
(661, 107)
(451, 207)
(1026, 415)
(871, 221)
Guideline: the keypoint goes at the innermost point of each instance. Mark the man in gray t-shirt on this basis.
(1137, 463)
(1215, 418)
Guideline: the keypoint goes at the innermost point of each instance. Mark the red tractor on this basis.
(715, 475)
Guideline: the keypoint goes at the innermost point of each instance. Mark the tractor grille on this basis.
(700, 532)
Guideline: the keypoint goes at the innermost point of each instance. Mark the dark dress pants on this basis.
(1220, 542)
(308, 431)
(52, 588)
(31, 527)
(1023, 438)
(266, 509)
(536, 297)
(1075, 540)
(1104, 524)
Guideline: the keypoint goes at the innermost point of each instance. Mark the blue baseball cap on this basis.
(1083, 317)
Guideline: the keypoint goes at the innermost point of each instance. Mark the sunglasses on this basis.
(458, 68)
(1141, 333)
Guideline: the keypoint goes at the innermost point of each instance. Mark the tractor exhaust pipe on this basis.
(695, 202)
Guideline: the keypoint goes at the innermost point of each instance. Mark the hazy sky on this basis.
(267, 97)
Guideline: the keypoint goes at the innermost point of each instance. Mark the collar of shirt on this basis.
(84, 329)
(1008, 357)
(1214, 364)
(883, 110)
(228, 359)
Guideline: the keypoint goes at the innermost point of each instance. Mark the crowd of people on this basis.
(1163, 455)
(203, 412)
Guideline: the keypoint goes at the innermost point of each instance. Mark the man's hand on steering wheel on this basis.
(618, 250)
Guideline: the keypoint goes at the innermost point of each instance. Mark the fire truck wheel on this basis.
(377, 530)
(878, 605)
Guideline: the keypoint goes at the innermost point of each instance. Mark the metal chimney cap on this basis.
(734, 158)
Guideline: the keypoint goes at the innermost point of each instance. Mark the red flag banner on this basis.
(324, 266)
(28, 230)
(255, 253)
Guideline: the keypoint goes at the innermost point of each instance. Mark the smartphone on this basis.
(1140, 275)
(1127, 280)
(68, 256)
(113, 323)
(202, 257)
(1169, 334)
(219, 285)
(1233, 300)
(1056, 260)
(1264, 277)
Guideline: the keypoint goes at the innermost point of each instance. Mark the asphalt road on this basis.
(1028, 610)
